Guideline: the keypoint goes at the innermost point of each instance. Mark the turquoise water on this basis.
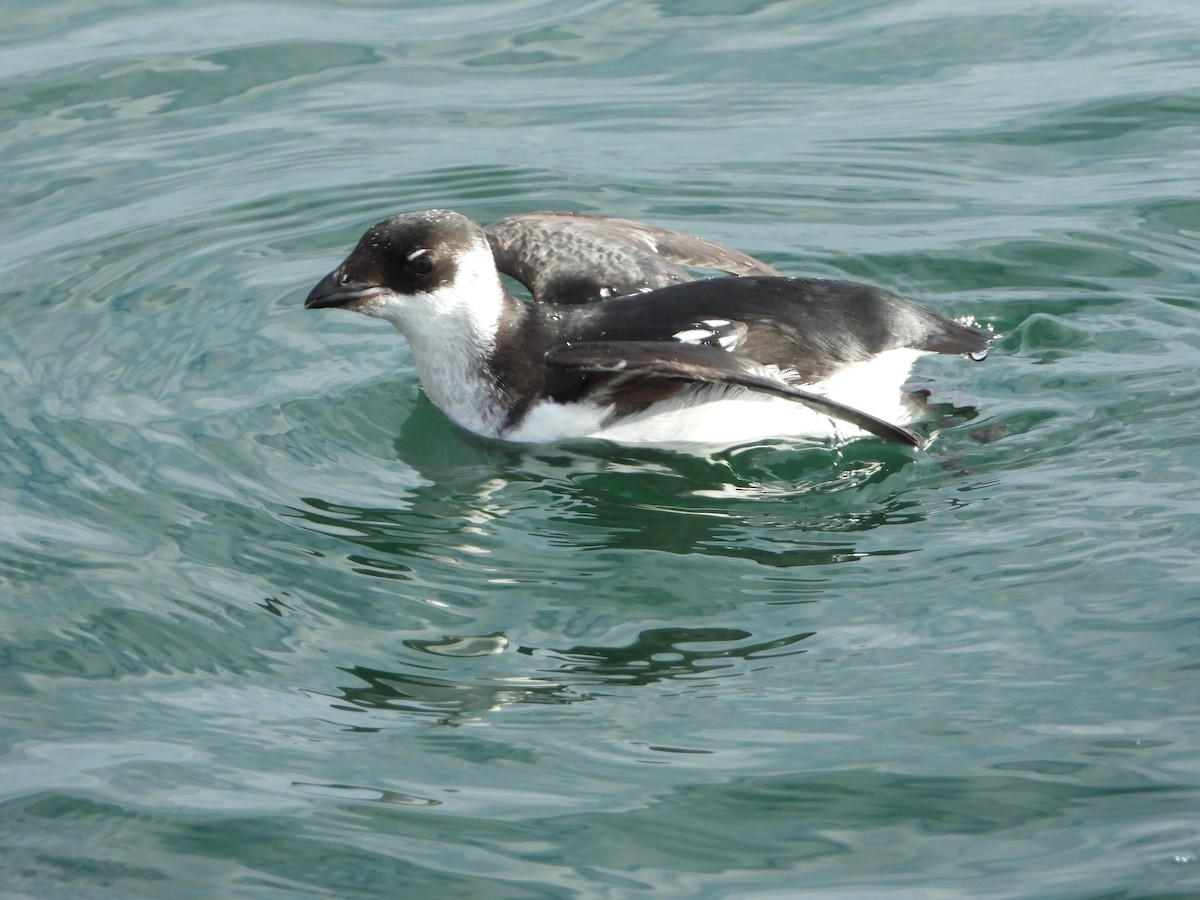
(271, 627)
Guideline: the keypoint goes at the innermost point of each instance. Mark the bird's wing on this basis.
(580, 257)
(678, 247)
(703, 363)
(814, 327)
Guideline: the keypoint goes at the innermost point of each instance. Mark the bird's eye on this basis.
(421, 262)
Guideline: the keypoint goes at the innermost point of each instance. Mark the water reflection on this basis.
(563, 675)
(364, 792)
(578, 542)
(442, 453)
(659, 654)
(446, 700)
(477, 494)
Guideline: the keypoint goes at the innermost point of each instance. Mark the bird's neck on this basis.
(452, 355)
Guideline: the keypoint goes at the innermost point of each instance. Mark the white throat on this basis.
(451, 330)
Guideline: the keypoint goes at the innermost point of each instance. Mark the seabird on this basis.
(619, 343)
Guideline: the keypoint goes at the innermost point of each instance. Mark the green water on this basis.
(271, 627)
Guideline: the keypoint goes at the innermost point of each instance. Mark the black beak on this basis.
(333, 290)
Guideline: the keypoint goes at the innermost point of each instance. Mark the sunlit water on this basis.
(272, 627)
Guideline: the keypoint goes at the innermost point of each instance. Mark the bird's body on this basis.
(718, 361)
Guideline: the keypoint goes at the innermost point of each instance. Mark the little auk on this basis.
(618, 342)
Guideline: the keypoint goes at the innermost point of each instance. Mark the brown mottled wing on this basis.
(689, 250)
(580, 257)
(712, 365)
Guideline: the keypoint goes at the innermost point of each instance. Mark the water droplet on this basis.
(978, 355)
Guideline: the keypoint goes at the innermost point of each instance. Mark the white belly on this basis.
(721, 415)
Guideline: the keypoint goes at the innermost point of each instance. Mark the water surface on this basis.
(272, 627)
